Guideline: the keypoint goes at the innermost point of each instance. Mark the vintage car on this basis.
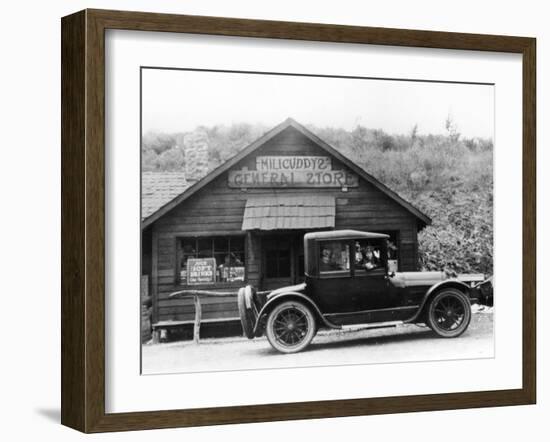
(348, 284)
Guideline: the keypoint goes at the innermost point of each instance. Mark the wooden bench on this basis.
(163, 326)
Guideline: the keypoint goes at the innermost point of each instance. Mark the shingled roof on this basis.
(159, 188)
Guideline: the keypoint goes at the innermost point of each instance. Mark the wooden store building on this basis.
(244, 222)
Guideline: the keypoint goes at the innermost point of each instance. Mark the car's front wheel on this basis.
(449, 313)
(290, 327)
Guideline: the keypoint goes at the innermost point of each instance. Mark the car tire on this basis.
(290, 327)
(449, 313)
(246, 314)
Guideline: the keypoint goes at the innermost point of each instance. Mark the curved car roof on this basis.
(344, 234)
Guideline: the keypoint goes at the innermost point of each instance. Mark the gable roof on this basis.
(289, 122)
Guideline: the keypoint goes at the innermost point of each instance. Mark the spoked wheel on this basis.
(449, 313)
(290, 327)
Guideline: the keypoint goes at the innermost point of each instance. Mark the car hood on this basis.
(289, 288)
(411, 279)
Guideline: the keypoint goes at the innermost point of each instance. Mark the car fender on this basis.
(452, 283)
(291, 295)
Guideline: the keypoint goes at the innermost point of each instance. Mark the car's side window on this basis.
(367, 256)
(334, 258)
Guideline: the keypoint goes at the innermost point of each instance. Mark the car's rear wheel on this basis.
(290, 327)
(449, 313)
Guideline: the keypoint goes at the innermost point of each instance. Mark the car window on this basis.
(367, 256)
(334, 257)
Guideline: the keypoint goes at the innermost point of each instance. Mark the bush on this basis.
(461, 236)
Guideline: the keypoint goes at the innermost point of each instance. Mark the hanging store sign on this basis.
(292, 171)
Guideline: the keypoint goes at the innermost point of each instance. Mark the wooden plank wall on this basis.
(218, 208)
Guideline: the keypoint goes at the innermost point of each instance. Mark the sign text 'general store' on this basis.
(292, 171)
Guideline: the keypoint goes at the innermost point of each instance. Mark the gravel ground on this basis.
(397, 344)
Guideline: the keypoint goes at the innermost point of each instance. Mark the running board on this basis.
(372, 325)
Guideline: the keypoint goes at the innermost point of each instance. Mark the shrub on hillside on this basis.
(461, 236)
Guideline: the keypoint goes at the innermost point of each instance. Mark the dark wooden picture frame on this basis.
(83, 219)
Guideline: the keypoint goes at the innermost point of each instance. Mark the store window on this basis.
(228, 253)
(334, 258)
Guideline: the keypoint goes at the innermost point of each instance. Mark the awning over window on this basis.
(289, 212)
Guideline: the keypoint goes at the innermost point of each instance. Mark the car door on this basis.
(370, 274)
(372, 290)
(334, 289)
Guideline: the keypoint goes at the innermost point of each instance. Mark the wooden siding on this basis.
(146, 243)
(219, 209)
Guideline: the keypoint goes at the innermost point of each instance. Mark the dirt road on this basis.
(397, 344)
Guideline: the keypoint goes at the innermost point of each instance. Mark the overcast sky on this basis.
(179, 101)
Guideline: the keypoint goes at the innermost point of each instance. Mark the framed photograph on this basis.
(270, 220)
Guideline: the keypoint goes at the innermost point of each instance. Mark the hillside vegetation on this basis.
(448, 177)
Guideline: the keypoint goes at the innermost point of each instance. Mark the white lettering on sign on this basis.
(201, 271)
(292, 171)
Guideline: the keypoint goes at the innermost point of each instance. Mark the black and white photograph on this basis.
(292, 220)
